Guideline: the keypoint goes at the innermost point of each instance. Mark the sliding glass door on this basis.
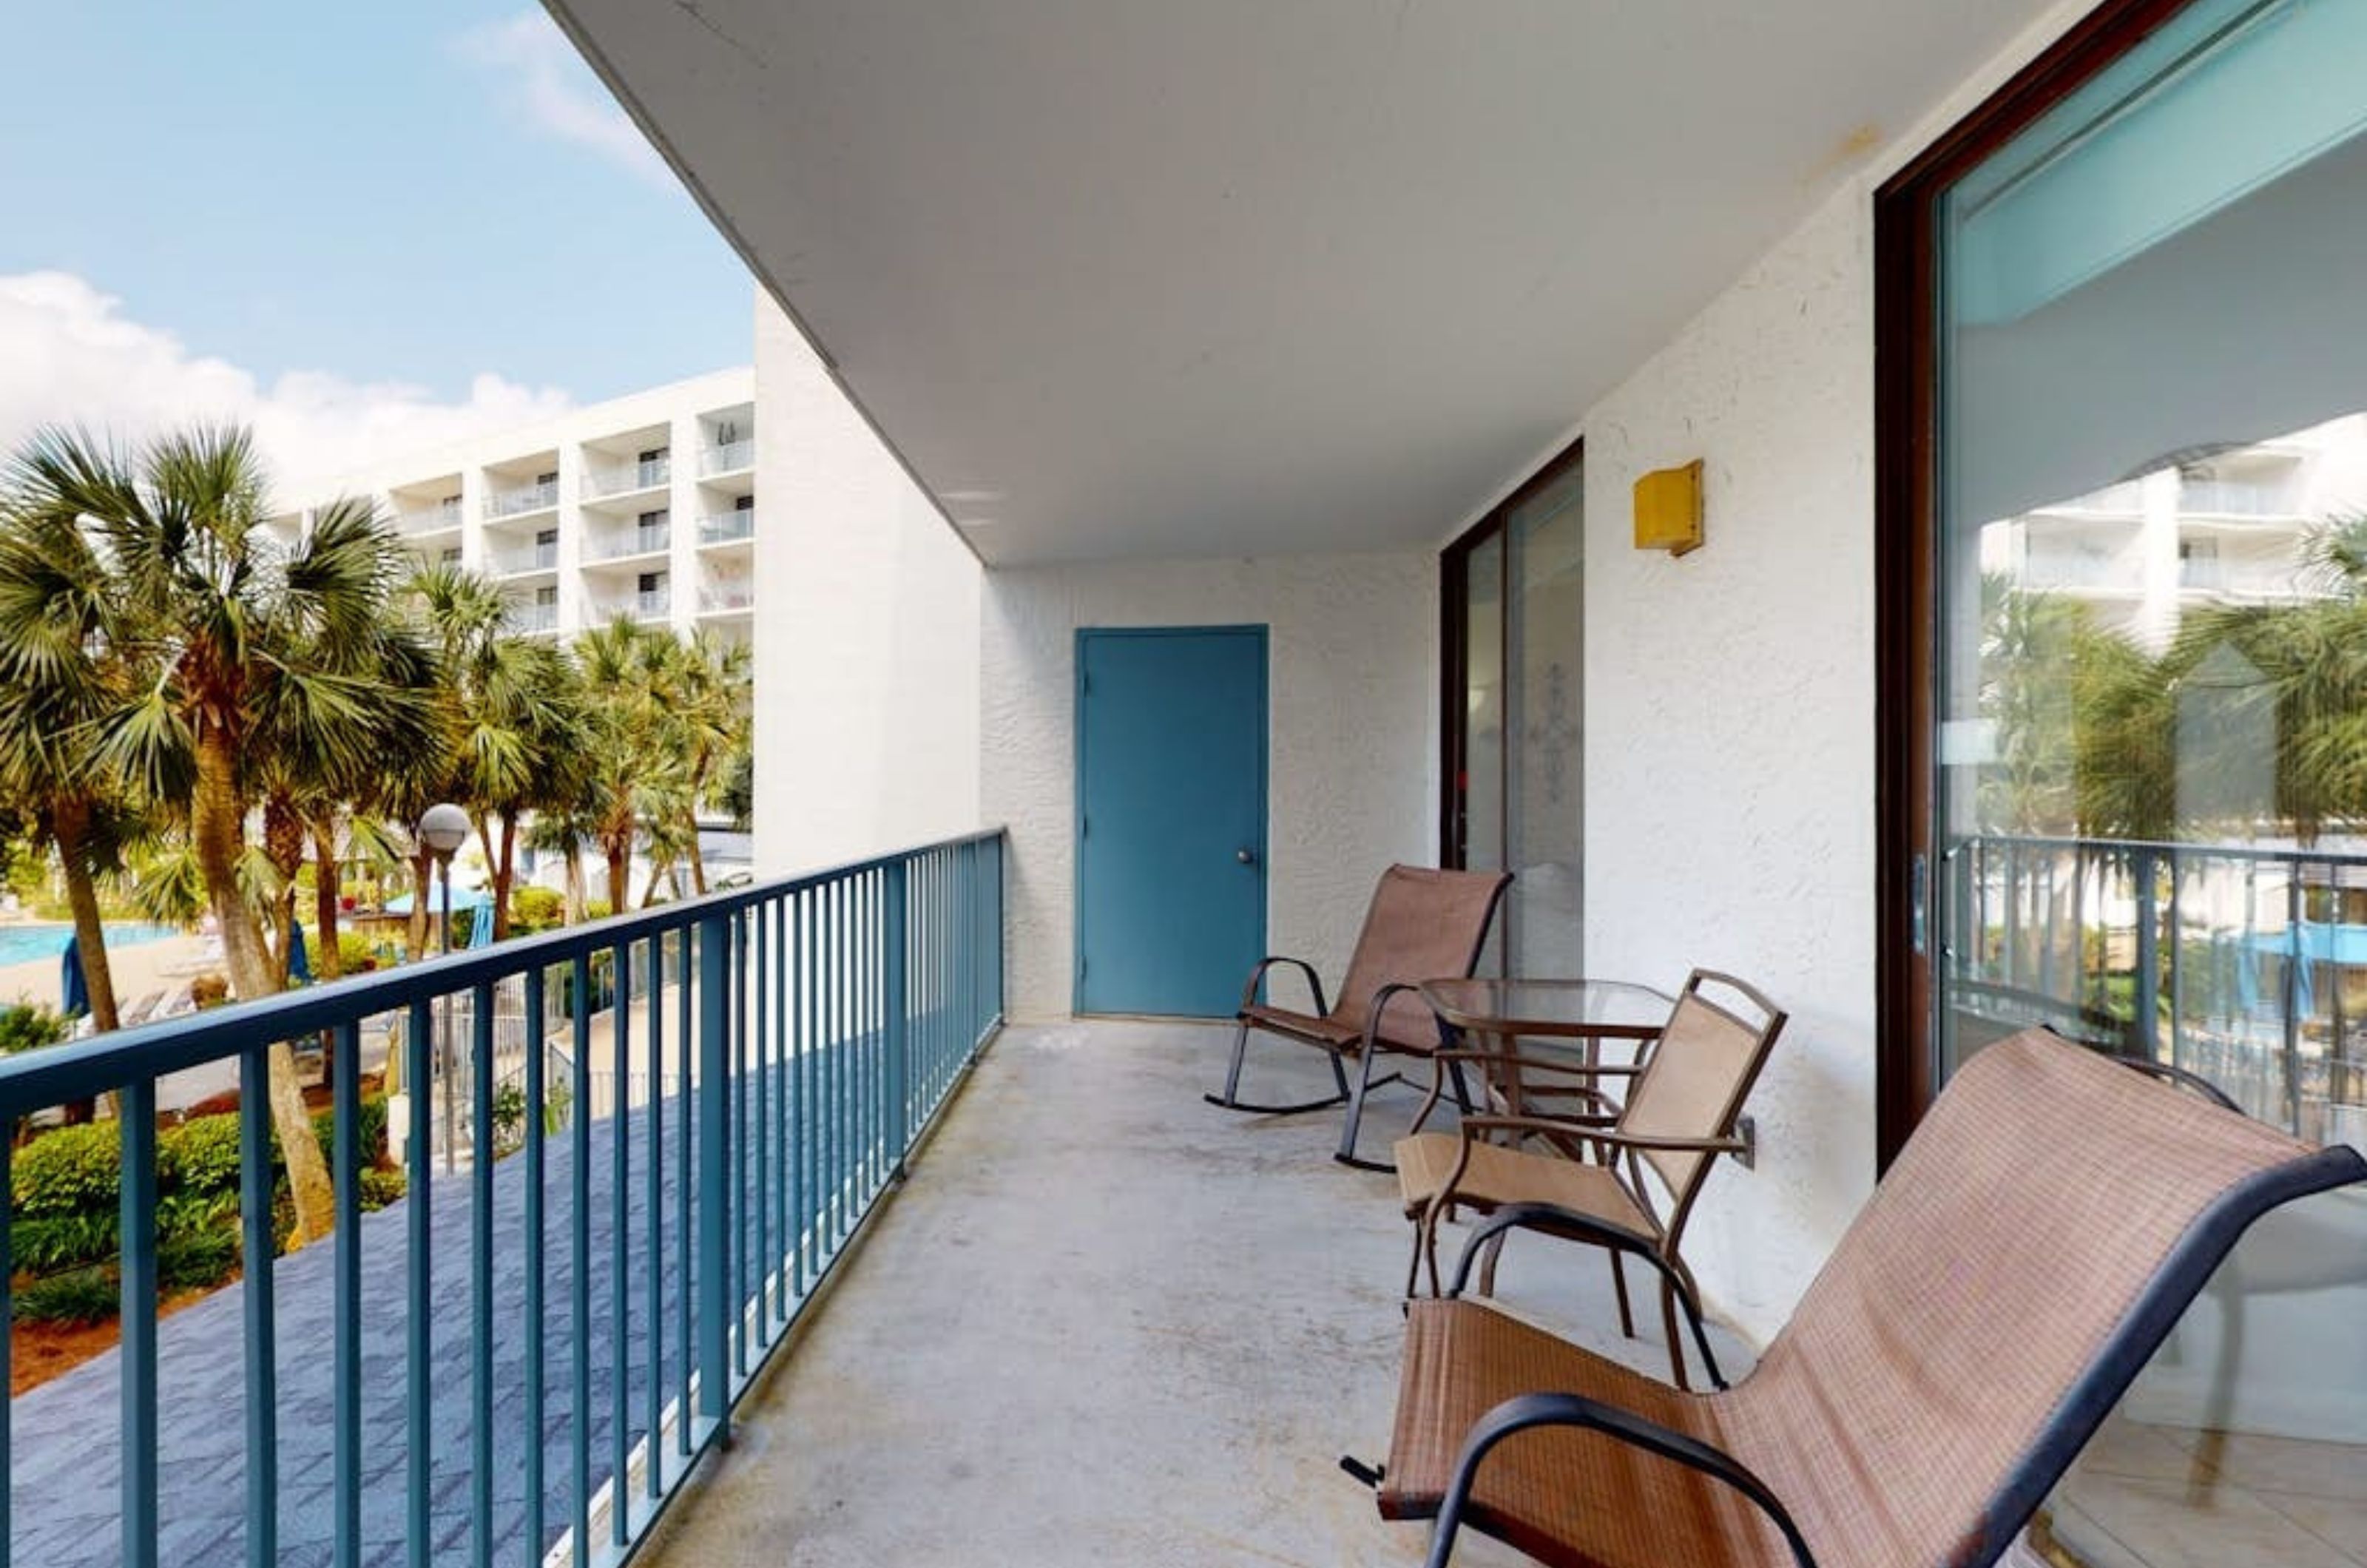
(2149, 769)
(2125, 567)
(1514, 713)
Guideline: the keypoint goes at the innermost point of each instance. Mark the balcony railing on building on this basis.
(2246, 965)
(721, 597)
(526, 620)
(524, 497)
(649, 539)
(647, 474)
(662, 1131)
(2235, 497)
(2247, 579)
(728, 457)
(728, 527)
(648, 604)
(429, 519)
(530, 558)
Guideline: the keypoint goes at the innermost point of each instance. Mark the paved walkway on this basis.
(67, 1475)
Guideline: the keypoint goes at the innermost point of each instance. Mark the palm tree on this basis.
(634, 747)
(268, 666)
(61, 671)
(2305, 668)
(514, 711)
(708, 693)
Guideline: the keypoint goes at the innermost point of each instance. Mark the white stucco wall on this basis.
(1352, 695)
(1729, 739)
(867, 631)
(1729, 731)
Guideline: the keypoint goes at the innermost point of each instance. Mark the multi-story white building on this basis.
(2212, 526)
(643, 505)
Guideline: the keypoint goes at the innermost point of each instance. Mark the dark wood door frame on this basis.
(1906, 537)
(1454, 627)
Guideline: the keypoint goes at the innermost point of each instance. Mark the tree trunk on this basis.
(575, 891)
(328, 964)
(422, 893)
(328, 892)
(649, 888)
(505, 872)
(697, 860)
(70, 826)
(621, 857)
(71, 829)
(217, 821)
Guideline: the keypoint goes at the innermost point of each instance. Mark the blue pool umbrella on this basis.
(2300, 953)
(73, 987)
(299, 962)
(462, 899)
(480, 932)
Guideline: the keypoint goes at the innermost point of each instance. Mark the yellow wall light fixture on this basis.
(1669, 510)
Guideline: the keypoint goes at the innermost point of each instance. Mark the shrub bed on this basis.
(67, 1193)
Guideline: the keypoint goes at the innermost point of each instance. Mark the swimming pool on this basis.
(22, 944)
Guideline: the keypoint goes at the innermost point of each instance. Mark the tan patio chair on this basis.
(1679, 1114)
(2024, 1257)
(1421, 925)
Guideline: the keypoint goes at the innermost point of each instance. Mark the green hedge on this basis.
(74, 1170)
(29, 1026)
(67, 1205)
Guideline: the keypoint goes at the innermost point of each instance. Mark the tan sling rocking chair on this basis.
(2031, 1248)
(1421, 925)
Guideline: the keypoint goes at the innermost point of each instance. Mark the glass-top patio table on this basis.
(1495, 1012)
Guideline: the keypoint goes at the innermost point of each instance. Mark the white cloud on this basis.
(530, 60)
(69, 354)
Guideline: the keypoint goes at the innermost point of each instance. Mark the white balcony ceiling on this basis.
(1235, 276)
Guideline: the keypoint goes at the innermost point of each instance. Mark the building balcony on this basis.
(733, 528)
(527, 561)
(530, 620)
(1101, 1322)
(654, 474)
(437, 519)
(648, 605)
(728, 457)
(652, 541)
(727, 598)
(523, 499)
(2258, 502)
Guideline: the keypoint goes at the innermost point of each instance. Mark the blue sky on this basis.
(432, 204)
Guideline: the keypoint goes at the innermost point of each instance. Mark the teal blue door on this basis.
(1171, 818)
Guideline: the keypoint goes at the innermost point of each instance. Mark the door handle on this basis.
(1247, 857)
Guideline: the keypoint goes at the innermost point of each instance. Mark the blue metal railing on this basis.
(2245, 964)
(609, 1287)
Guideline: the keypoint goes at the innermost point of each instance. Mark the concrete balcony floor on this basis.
(1107, 1323)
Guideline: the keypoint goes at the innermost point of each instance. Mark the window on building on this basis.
(1514, 709)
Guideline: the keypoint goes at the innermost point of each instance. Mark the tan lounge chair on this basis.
(2024, 1257)
(1679, 1114)
(1421, 925)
